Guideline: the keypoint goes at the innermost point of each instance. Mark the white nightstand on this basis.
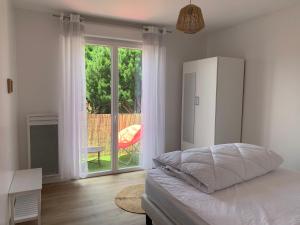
(25, 196)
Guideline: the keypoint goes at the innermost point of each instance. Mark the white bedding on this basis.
(220, 166)
(272, 199)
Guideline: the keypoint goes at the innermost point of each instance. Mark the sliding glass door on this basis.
(98, 63)
(113, 90)
(129, 106)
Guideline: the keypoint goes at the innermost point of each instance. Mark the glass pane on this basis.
(129, 120)
(98, 96)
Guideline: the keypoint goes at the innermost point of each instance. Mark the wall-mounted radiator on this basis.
(42, 133)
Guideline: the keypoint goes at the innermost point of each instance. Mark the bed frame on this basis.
(154, 214)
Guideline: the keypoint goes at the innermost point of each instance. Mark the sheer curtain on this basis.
(72, 115)
(153, 98)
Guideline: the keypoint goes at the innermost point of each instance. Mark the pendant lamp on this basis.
(190, 19)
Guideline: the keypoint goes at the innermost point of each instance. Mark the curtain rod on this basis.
(68, 17)
(144, 28)
(154, 29)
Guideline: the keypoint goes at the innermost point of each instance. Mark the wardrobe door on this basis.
(229, 108)
(188, 109)
(206, 87)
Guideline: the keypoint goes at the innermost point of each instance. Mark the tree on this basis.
(98, 78)
(130, 79)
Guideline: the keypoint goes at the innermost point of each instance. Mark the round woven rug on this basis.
(129, 198)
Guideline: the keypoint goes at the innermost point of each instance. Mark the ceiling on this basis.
(217, 13)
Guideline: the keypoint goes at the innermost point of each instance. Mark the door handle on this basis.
(115, 118)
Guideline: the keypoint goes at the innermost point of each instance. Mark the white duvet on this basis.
(220, 166)
(272, 199)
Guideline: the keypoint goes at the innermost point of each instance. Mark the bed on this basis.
(272, 199)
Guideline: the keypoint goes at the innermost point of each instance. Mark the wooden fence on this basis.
(99, 129)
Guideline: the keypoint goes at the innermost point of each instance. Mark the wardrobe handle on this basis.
(197, 100)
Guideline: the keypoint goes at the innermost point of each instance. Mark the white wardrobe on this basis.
(212, 102)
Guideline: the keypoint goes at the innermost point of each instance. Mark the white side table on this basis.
(96, 150)
(25, 196)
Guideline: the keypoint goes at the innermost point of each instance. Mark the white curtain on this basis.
(153, 98)
(72, 115)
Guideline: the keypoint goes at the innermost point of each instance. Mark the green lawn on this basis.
(105, 162)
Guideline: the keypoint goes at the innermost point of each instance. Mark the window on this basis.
(113, 93)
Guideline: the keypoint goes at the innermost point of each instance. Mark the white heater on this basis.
(42, 134)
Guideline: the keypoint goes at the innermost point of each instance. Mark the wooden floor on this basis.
(89, 201)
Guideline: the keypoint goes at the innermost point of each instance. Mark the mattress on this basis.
(272, 199)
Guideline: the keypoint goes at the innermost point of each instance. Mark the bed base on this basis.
(154, 215)
(148, 220)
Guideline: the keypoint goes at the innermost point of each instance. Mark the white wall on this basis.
(37, 68)
(37, 64)
(8, 107)
(271, 47)
(180, 48)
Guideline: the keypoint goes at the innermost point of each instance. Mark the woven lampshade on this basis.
(190, 19)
